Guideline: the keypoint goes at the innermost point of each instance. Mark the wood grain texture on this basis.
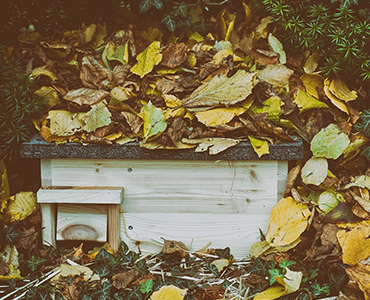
(114, 226)
(46, 176)
(83, 196)
(237, 231)
(178, 186)
(282, 178)
(48, 214)
(82, 222)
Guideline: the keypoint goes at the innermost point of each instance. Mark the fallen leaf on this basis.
(290, 283)
(21, 206)
(260, 146)
(86, 96)
(271, 106)
(277, 47)
(328, 200)
(362, 181)
(175, 247)
(214, 145)
(277, 75)
(116, 52)
(43, 71)
(218, 116)
(98, 116)
(169, 292)
(94, 75)
(64, 123)
(50, 94)
(312, 83)
(315, 171)
(122, 280)
(340, 90)
(121, 93)
(330, 142)
(133, 120)
(147, 59)
(220, 264)
(292, 176)
(333, 99)
(174, 55)
(353, 238)
(261, 28)
(287, 222)
(10, 262)
(154, 120)
(305, 101)
(312, 63)
(223, 90)
(360, 274)
(72, 270)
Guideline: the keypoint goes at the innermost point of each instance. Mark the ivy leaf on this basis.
(147, 59)
(158, 4)
(273, 273)
(145, 5)
(146, 286)
(181, 10)
(169, 22)
(154, 120)
(330, 142)
(98, 116)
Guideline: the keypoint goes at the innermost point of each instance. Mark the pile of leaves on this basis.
(210, 92)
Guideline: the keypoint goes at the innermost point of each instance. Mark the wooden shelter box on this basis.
(124, 192)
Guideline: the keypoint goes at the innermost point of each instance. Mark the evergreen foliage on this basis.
(339, 30)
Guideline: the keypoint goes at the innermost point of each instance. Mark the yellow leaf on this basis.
(355, 242)
(312, 82)
(98, 116)
(172, 101)
(259, 145)
(169, 292)
(221, 264)
(4, 183)
(21, 206)
(64, 123)
(151, 34)
(277, 47)
(87, 33)
(154, 120)
(360, 274)
(287, 222)
(10, 256)
(341, 91)
(72, 270)
(214, 145)
(196, 37)
(192, 60)
(86, 96)
(223, 90)
(43, 71)
(311, 63)
(147, 59)
(261, 28)
(121, 93)
(258, 248)
(278, 75)
(50, 94)
(271, 106)
(290, 283)
(306, 102)
(336, 102)
(219, 116)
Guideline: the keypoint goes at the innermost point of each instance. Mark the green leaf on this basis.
(273, 273)
(98, 116)
(328, 200)
(315, 170)
(305, 102)
(277, 47)
(169, 22)
(158, 4)
(145, 5)
(286, 263)
(147, 59)
(181, 10)
(271, 106)
(223, 90)
(114, 52)
(146, 286)
(330, 142)
(154, 120)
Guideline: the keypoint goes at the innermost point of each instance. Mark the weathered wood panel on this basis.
(82, 222)
(82, 196)
(237, 231)
(219, 187)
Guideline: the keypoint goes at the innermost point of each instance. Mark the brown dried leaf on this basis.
(292, 176)
(122, 280)
(134, 121)
(175, 247)
(166, 86)
(93, 75)
(174, 55)
(360, 274)
(86, 96)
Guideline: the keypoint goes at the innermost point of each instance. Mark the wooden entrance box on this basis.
(179, 195)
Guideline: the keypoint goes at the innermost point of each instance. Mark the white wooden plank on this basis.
(236, 231)
(282, 178)
(48, 214)
(178, 186)
(82, 222)
(46, 176)
(83, 196)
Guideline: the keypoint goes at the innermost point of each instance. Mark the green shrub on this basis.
(339, 30)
